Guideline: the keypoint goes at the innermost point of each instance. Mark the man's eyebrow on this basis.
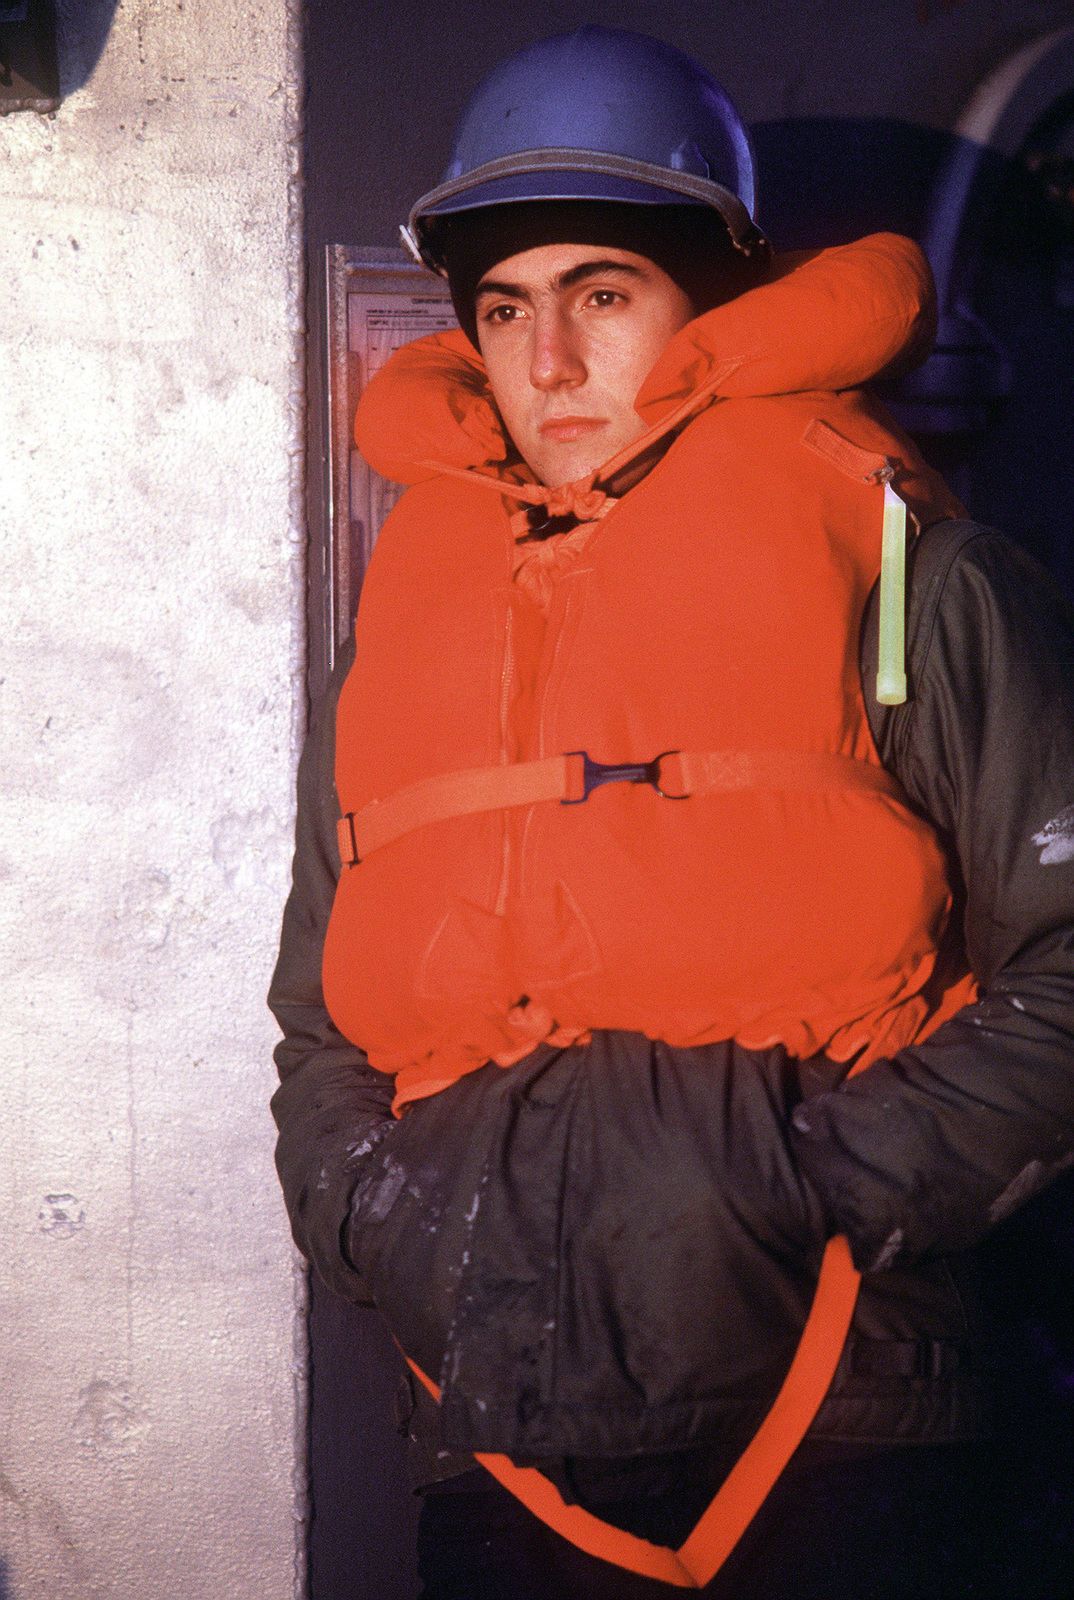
(596, 269)
(565, 280)
(493, 286)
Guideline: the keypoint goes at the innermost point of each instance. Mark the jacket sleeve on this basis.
(921, 1154)
(332, 1108)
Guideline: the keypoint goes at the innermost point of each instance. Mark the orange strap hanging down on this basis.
(676, 775)
(698, 1560)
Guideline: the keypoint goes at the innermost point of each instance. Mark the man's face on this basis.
(568, 333)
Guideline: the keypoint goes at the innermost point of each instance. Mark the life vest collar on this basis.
(855, 311)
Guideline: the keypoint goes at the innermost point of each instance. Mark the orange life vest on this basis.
(715, 607)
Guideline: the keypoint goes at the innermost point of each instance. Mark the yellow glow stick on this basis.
(891, 665)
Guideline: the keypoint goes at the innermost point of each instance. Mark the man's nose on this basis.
(556, 360)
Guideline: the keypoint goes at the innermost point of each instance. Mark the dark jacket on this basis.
(610, 1248)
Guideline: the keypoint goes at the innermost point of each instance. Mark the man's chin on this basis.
(557, 464)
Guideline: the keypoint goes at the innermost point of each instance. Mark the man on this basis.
(645, 1012)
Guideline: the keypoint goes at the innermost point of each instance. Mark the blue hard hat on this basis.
(598, 114)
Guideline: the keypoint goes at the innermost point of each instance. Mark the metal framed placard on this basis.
(371, 302)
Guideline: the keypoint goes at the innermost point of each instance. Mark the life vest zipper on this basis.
(507, 673)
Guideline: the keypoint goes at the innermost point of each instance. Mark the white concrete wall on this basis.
(150, 629)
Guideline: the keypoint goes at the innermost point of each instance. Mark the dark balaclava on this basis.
(690, 243)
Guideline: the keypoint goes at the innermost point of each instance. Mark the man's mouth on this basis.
(561, 430)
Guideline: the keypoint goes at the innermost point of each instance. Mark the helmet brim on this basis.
(554, 186)
(576, 175)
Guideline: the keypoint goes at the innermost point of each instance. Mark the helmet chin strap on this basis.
(413, 250)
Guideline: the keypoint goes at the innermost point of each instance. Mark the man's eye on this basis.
(605, 297)
(501, 314)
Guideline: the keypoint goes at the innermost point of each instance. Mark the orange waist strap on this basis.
(570, 779)
(697, 1561)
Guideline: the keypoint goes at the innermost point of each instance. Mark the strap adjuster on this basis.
(348, 843)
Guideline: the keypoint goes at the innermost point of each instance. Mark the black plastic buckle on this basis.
(594, 773)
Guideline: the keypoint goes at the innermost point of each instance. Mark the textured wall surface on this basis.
(150, 625)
